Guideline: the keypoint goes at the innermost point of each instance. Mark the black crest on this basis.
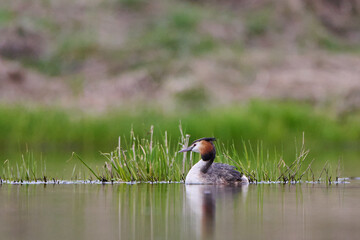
(205, 138)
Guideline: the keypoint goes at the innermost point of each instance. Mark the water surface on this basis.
(176, 211)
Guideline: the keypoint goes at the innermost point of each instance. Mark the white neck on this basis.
(195, 173)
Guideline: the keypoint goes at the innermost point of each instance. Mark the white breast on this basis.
(195, 175)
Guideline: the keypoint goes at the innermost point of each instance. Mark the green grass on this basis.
(59, 133)
(258, 22)
(28, 169)
(151, 160)
(6, 16)
(275, 123)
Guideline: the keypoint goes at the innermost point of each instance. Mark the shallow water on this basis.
(176, 211)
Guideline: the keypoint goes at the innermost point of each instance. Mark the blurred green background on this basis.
(75, 75)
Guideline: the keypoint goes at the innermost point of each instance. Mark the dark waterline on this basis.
(176, 211)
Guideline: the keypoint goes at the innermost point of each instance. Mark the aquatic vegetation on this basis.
(237, 129)
(28, 169)
(151, 160)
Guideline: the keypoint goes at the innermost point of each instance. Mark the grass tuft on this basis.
(28, 169)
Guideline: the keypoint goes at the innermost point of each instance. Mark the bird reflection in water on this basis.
(201, 202)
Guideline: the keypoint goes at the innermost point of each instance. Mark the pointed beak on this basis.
(186, 149)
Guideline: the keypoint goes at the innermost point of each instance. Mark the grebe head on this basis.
(204, 146)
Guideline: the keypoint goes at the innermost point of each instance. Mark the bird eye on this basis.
(195, 145)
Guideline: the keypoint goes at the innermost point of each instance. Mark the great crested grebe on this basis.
(207, 172)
